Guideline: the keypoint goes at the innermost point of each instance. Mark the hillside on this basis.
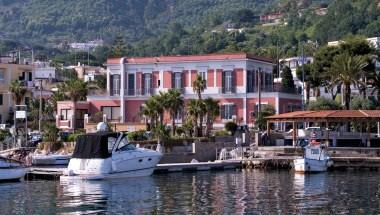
(157, 27)
(38, 20)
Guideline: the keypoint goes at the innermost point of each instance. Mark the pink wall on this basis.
(219, 77)
(285, 102)
(252, 102)
(193, 76)
(186, 78)
(133, 109)
(156, 77)
(210, 78)
(167, 79)
(239, 108)
(239, 77)
(95, 105)
(138, 80)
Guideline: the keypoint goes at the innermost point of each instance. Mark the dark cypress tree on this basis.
(119, 47)
(287, 83)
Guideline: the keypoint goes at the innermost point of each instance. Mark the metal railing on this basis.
(234, 153)
(227, 90)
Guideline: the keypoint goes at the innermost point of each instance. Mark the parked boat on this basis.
(315, 159)
(50, 159)
(11, 170)
(105, 155)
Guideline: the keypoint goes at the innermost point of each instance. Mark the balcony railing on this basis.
(275, 88)
(227, 90)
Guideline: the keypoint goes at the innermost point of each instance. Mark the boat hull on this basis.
(12, 174)
(127, 174)
(310, 165)
(51, 160)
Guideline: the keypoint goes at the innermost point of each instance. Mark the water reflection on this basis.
(132, 195)
(229, 192)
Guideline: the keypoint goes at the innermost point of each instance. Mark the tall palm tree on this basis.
(347, 70)
(149, 111)
(199, 85)
(212, 111)
(76, 90)
(18, 91)
(174, 104)
(193, 113)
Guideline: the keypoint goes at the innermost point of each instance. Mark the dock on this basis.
(279, 162)
(53, 173)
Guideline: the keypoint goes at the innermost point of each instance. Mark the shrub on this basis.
(231, 127)
(137, 135)
(179, 131)
(222, 133)
(4, 134)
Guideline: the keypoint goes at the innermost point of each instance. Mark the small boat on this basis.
(106, 155)
(315, 159)
(11, 170)
(50, 159)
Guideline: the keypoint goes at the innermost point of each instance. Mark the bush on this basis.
(231, 127)
(137, 135)
(4, 134)
(72, 137)
(222, 133)
(323, 104)
(179, 131)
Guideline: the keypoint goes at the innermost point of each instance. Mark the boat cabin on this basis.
(101, 145)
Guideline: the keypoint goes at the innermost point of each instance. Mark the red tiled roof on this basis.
(184, 58)
(327, 114)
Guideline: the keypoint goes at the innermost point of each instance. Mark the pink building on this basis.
(231, 78)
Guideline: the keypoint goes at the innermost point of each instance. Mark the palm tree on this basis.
(196, 108)
(18, 91)
(174, 104)
(199, 85)
(212, 111)
(193, 113)
(347, 70)
(76, 90)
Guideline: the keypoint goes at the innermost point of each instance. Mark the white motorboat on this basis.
(106, 155)
(50, 159)
(11, 170)
(315, 159)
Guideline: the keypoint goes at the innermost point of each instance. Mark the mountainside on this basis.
(38, 20)
(171, 27)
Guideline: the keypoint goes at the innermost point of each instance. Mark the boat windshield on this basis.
(124, 145)
(111, 143)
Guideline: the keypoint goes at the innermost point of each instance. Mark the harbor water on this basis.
(225, 192)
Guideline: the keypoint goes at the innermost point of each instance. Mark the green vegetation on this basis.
(230, 127)
(323, 104)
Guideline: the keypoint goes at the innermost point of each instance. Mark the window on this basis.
(112, 113)
(227, 111)
(131, 84)
(2, 74)
(256, 108)
(158, 83)
(115, 85)
(203, 75)
(228, 82)
(1, 99)
(146, 84)
(177, 80)
(124, 145)
(66, 114)
(251, 81)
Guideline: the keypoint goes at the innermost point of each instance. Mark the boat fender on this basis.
(69, 172)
